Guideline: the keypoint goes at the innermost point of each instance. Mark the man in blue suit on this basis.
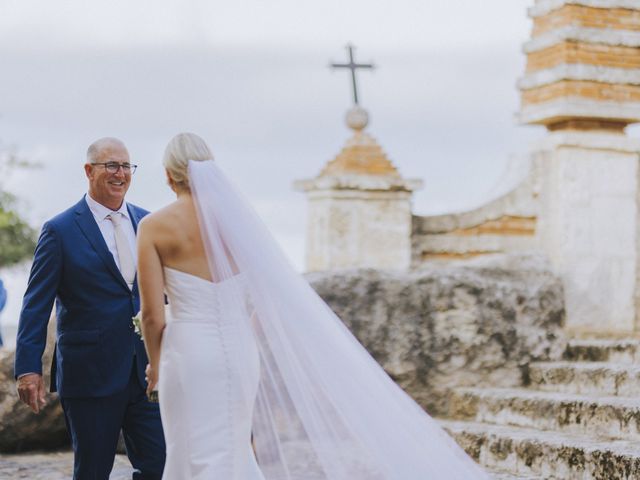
(85, 261)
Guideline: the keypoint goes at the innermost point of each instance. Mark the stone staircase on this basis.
(572, 419)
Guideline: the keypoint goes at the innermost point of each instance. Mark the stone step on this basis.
(600, 378)
(499, 475)
(604, 350)
(608, 417)
(546, 455)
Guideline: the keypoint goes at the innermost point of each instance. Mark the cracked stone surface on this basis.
(470, 323)
(20, 429)
(547, 454)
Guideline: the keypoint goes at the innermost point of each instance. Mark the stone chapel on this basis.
(579, 205)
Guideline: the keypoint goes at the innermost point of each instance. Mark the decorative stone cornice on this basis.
(361, 155)
(625, 38)
(361, 166)
(591, 140)
(577, 71)
(543, 7)
(359, 182)
(578, 107)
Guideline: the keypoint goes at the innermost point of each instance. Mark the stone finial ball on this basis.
(357, 118)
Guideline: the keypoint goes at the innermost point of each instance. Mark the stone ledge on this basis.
(604, 350)
(580, 72)
(578, 107)
(586, 378)
(497, 475)
(625, 38)
(602, 416)
(548, 455)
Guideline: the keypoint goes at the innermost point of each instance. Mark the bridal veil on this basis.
(325, 409)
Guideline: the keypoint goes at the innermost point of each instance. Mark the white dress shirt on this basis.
(100, 213)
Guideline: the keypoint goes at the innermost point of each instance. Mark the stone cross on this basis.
(353, 66)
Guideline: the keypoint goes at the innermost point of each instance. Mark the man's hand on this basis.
(152, 379)
(31, 390)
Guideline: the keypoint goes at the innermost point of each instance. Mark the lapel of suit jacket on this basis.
(134, 216)
(135, 219)
(89, 227)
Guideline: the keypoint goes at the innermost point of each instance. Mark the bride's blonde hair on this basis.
(182, 148)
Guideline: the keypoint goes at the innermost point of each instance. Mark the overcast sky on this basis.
(252, 78)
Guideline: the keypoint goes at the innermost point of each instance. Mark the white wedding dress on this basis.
(206, 421)
(260, 353)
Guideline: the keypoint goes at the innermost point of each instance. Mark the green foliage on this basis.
(17, 237)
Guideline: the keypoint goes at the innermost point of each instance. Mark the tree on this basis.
(17, 237)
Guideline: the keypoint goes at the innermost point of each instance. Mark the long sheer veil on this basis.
(325, 409)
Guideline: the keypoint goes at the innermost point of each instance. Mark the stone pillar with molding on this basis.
(582, 83)
(359, 207)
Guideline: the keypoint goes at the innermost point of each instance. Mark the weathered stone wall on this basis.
(582, 82)
(359, 207)
(507, 224)
(477, 322)
(588, 226)
(21, 429)
(363, 228)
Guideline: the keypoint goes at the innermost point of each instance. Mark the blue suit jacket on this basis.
(95, 341)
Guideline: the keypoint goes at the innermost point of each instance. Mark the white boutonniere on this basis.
(137, 323)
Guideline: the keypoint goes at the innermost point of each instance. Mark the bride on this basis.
(249, 350)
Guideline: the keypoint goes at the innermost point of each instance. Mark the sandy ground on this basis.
(52, 466)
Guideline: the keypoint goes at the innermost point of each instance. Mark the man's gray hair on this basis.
(96, 149)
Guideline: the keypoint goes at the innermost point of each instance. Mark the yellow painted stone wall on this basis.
(589, 17)
(584, 53)
(583, 64)
(588, 90)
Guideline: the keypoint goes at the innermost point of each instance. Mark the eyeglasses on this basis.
(113, 167)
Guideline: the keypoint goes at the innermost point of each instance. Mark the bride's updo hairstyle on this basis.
(182, 148)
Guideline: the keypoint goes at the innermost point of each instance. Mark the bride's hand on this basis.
(152, 379)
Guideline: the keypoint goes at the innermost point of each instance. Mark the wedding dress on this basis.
(207, 424)
(258, 353)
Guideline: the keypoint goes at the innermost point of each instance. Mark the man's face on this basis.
(107, 188)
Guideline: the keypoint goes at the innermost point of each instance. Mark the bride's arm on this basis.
(151, 286)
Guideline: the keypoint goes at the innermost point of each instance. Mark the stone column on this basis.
(583, 83)
(359, 207)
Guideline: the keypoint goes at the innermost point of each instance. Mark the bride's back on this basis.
(177, 238)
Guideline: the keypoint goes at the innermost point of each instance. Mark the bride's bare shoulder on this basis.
(162, 218)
